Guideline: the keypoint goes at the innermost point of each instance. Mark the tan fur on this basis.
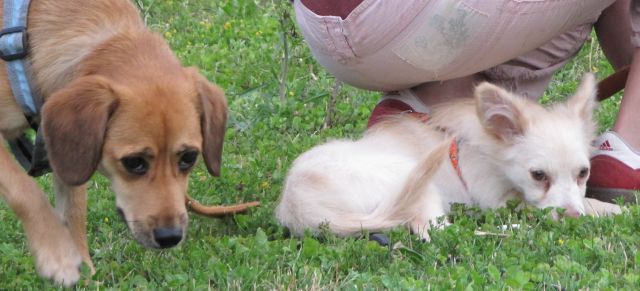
(112, 89)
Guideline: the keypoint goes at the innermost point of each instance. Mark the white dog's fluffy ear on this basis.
(583, 102)
(499, 112)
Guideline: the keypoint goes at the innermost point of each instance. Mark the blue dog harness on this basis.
(14, 50)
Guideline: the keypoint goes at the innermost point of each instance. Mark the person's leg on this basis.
(395, 45)
(615, 167)
(614, 32)
(527, 75)
(628, 122)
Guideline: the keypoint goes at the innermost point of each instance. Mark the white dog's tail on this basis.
(405, 206)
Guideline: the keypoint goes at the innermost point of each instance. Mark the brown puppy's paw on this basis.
(92, 268)
(57, 257)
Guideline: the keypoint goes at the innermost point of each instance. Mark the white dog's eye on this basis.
(583, 173)
(539, 175)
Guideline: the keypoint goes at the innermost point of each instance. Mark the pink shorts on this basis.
(390, 45)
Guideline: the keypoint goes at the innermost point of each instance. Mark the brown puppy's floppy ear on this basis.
(213, 120)
(74, 120)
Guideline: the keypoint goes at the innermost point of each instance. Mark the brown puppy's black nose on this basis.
(167, 237)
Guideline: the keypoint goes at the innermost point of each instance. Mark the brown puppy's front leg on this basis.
(56, 254)
(71, 204)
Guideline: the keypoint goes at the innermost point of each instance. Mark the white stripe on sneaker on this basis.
(610, 144)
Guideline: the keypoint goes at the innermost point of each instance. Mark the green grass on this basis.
(238, 44)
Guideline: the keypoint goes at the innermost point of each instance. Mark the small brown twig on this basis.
(218, 210)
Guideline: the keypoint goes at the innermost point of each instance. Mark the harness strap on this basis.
(13, 50)
(454, 152)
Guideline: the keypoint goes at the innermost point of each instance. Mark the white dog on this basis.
(499, 146)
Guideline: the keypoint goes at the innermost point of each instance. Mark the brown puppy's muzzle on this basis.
(158, 232)
(167, 237)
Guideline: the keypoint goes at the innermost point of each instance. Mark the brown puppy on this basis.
(117, 100)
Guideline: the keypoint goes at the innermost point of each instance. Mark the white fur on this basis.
(384, 179)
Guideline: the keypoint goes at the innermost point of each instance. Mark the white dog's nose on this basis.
(570, 211)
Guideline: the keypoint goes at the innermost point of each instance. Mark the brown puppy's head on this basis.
(145, 137)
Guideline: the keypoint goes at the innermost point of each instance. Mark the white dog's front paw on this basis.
(59, 260)
(598, 208)
(421, 227)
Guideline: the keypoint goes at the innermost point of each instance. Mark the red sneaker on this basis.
(395, 103)
(615, 170)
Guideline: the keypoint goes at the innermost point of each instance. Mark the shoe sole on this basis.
(611, 194)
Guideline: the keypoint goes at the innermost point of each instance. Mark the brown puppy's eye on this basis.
(539, 175)
(135, 165)
(187, 160)
(583, 173)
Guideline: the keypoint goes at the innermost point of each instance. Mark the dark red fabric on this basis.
(340, 8)
(391, 107)
(609, 173)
